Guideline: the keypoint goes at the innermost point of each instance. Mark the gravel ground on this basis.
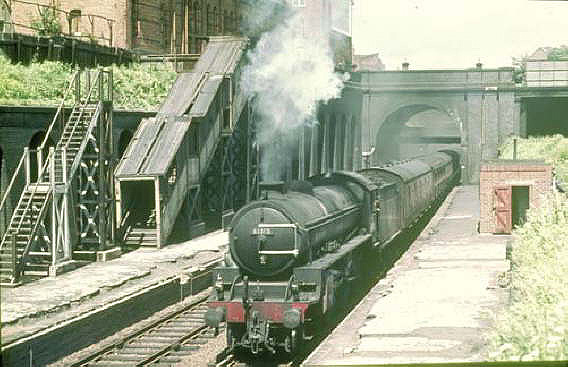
(122, 333)
(206, 353)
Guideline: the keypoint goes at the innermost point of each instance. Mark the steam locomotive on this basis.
(294, 255)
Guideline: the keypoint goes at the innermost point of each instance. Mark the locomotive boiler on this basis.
(295, 254)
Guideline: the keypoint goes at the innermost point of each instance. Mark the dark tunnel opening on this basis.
(547, 116)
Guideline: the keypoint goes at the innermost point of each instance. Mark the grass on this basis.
(535, 326)
(553, 149)
(138, 86)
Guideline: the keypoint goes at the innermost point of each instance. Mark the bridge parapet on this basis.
(428, 80)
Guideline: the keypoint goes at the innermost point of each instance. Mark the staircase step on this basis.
(39, 268)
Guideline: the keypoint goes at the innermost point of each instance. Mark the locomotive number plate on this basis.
(262, 231)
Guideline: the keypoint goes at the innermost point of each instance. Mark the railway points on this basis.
(53, 317)
(435, 304)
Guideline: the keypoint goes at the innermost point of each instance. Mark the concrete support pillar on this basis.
(357, 155)
(302, 154)
(491, 125)
(338, 144)
(325, 145)
(366, 140)
(348, 142)
(315, 147)
(476, 135)
(523, 119)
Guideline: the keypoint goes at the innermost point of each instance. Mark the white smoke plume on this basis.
(289, 74)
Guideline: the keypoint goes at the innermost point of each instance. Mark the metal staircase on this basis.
(35, 241)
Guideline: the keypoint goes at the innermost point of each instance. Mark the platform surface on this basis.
(436, 304)
(39, 305)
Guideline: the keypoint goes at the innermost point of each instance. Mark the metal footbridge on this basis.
(185, 170)
(66, 189)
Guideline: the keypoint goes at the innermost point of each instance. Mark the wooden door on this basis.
(503, 213)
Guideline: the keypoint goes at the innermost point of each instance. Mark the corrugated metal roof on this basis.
(182, 94)
(222, 55)
(409, 170)
(153, 148)
(157, 139)
(206, 96)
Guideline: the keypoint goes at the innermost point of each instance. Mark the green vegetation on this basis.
(520, 63)
(552, 149)
(558, 53)
(47, 23)
(138, 86)
(535, 326)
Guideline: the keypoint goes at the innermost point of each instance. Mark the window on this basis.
(298, 3)
(74, 20)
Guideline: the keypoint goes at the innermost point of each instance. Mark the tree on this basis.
(558, 53)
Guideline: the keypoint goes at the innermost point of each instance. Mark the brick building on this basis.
(144, 26)
(329, 19)
(507, 188)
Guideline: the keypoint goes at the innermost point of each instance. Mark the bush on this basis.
(535, 326)
(139, 86)
(552, 149)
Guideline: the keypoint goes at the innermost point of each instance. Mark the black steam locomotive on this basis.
(295, 254)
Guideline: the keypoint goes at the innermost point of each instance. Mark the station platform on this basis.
(52, 316)
(436, 304)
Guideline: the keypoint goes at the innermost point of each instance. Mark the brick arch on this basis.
(389, 135)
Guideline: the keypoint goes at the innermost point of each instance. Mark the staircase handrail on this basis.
(58, 112)
(9, 188)
(42, 146)
(77, 159)
(40, 215)
(96, 84)
(52, 179)
(30, 199)
(33, 192)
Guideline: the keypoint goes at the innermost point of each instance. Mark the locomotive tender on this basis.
(295, 255)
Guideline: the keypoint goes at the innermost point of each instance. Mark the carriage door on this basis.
(503, 210)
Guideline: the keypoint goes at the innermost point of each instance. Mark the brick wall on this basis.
(317, 22)
(148, 26)
(100, 20)
(536, 175)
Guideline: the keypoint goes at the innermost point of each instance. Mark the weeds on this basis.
(139, 86)
(535, 327)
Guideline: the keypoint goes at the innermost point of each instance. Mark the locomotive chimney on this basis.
(278, 186)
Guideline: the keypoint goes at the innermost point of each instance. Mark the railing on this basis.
(59, 115)
(94, 89)
(72, 19)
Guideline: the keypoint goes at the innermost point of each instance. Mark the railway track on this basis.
(165, 342)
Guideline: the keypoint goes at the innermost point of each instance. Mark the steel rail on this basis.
(146, 330)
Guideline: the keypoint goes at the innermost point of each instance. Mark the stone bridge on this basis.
(408, 113)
